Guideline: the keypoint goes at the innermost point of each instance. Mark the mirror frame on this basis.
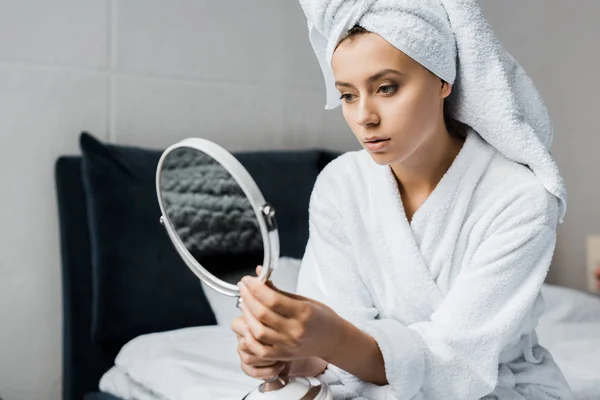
(264, 212)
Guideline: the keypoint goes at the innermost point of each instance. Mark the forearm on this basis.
(358, 354)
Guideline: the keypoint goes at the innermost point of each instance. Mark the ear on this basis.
(445, 90)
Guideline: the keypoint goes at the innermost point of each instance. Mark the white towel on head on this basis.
(491, 91)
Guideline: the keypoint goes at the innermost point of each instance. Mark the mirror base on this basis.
(296, 388)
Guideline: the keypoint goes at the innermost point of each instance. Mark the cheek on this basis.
(346, 114)
(350, 119)
(412, 111)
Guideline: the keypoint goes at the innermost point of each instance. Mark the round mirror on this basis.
(222, 227)
(215, 214)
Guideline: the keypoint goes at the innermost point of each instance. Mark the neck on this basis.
(419, 174)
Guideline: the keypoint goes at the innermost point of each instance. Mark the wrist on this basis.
(358, 353)
(312, 366)
(338, 339)
(298, 367)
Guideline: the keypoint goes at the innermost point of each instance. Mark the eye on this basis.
(388, 89)
(347, 97)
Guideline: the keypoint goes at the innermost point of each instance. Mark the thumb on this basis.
(288, 294)
(259, 269)
(270, 284)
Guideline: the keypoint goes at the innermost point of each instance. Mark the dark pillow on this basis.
(141, 285)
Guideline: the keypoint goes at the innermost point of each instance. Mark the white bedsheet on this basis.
(202, 363)
(570, 329)
(193, 363)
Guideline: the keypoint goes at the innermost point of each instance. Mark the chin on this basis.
(384, 157)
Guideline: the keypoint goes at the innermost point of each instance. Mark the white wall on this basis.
(146, 72)
(150, 72)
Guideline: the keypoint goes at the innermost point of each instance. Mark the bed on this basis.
(202, 362)
(122, 341)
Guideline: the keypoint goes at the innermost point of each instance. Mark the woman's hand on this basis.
(300, 336)
(253, 365)
(279, 326)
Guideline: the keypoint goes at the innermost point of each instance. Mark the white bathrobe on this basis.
(451, 298)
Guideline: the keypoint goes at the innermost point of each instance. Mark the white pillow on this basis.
(284, 277)
(566, 305)
(184, 364)
(190, 363)
(570, 330)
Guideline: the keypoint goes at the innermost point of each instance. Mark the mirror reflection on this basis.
(211, 214)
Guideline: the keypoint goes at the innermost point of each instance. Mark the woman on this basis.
(427, 250)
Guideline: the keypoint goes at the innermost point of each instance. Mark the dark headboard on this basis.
(83, 361)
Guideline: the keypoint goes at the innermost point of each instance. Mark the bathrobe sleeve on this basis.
(456, 353)
(329, 274)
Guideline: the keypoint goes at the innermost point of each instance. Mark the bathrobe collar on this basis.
(402, 241)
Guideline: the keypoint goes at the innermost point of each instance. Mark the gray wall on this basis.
(145, 72)
(557, 42)
(151, 72)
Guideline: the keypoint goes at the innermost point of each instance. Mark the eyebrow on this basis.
(374, 77)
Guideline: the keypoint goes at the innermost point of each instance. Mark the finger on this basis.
(263, 373)
(242, 344)
(248, 357)
(265, 351)
(270, 284)
(261, 312)
(273, 299)
(261, 332)
(287, 294)
(290, 295)
(245, 348)
(254, 361)
(238, 325)
(259, 269)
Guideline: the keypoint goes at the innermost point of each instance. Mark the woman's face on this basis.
(388, 97)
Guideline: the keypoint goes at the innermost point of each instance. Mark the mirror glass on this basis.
(211, 214)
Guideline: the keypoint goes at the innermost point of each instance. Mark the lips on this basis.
(375, 139)
(376, 144)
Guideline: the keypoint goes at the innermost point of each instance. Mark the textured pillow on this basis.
(140, 283)
(208, 208)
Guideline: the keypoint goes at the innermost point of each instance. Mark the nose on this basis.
(367, 115)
